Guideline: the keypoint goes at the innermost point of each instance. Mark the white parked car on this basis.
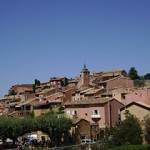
(87, 141)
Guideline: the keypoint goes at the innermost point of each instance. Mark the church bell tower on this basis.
(85, 76)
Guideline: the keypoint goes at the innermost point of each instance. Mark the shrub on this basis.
(131, 147)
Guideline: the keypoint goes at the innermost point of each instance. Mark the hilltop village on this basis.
(92, 100)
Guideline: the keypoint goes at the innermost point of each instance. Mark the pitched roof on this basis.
(54, 97)
(26, 102)
(46, 90)
(77, 120)
(89, 101)
(113, 72)
(93, 91)
(85, 90)
(138, 103)
(114, 79)
(109, 73)
(40, 103)
(9, 97)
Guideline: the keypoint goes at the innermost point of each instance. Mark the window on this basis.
(95, 112)
(74, 112)
(68, 112)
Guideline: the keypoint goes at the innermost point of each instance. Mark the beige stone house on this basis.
(138, 109)
(21, 88)
(81, 130)
(107, 75)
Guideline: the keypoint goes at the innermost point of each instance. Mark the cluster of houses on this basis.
(92, 100)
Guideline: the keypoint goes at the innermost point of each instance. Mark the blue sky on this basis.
(42, 39)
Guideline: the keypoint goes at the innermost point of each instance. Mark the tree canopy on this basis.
(129, 131)
(146, 123)
(55, 126)
(52, 124)
(147, 76)
(133, 73)
(36, 83)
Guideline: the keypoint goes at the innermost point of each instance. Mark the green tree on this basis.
(14, 127)
(29, 125)
(14, 130)
(129, 131)
(4, 125)
(51, 124)
(54, 126)
(10, 128)
(61, 109)
(139, 83)
(11, 92)
(32, 114)
(33, 88)
(147, 76)
(36, 83)
(146, 123)
(133, 73)
(65, 81)
(124, 73)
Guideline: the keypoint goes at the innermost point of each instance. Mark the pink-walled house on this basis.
(117, 82)
(137, 95)
(103, 111)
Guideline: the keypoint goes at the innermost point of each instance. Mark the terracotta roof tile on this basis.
(89, 101)
(28, 102)
(40, 103)
(92, 91)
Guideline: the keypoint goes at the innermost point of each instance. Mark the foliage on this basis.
(146, 123)
(4, 124)
(133, 73)
(50, 123)
(14, 130)
(147, 76)
(33, 88)
(29, 125)
(131, 147)
(124, 73)
(11, 92)
(139, 83)
(61, 109)
(65, 81)
(14, 127)
(36, 83)
(108, 132)
(32, 114)
(128, 132)
(54, 126)
(10, 128)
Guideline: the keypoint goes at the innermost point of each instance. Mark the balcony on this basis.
(96, 116)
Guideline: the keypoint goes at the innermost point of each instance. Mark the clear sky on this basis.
(40, 39)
